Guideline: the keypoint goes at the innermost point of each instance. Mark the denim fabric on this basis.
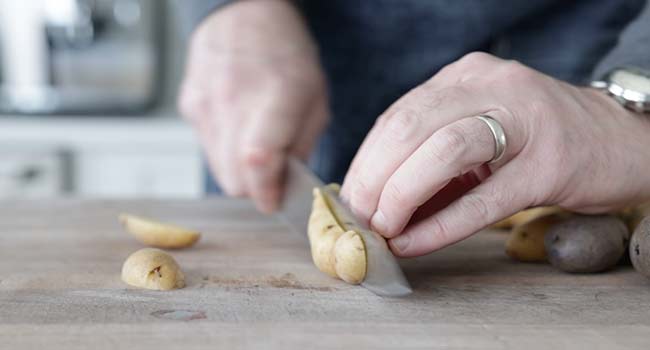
(375, 51)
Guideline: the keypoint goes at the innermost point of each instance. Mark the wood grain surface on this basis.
(251, 284)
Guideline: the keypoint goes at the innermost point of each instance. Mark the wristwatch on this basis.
(630, 86)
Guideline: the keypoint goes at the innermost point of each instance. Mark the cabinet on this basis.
(109, 157)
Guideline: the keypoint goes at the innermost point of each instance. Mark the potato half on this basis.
(157, 234)
(151, 268)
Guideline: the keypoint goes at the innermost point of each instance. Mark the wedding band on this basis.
(500, 142)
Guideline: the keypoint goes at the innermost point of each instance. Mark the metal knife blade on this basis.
(384, 276)
(298, 196)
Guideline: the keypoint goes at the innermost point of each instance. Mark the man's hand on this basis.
(255, 93)
(567, 146)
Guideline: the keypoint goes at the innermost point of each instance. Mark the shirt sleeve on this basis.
(632, 49)
(191, 12)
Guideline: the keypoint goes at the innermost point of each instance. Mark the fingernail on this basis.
(378, 222)
(401, 242)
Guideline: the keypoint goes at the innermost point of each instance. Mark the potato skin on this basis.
(586, 243)
(633, 215)
(524, 216)
(640, 247)
(526, 241)
(323, 231)
(338, 252)
(157, 234)
(151, 268)
(350, 258)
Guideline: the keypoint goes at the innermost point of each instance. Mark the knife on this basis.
(384, 276)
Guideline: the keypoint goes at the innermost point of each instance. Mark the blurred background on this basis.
(87, 101)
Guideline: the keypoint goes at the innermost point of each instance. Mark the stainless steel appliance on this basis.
(79, 56)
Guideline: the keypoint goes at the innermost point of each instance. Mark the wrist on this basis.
(256, 27)
(625, 136)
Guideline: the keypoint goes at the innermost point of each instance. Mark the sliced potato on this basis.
(323, 231)
(337, 249)
(350, 258)
(156, 234)
(152, 268)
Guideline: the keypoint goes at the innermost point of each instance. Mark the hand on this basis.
(255, 93)
(567, 146)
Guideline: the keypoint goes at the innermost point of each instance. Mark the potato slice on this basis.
(152, 268)
(156, 234)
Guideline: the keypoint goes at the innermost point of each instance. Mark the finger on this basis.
(266, 140)
(450, 152)
(499, 196)
(367, 144)
(207, 134)
(226, 124)
(311, 129)
(263, 175)
(197, 110)
(353, 170)
(400, 134)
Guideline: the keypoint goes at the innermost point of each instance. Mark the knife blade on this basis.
(384, 276)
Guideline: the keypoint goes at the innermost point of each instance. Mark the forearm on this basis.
(633, 48)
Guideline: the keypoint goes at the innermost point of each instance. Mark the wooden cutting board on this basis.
(251, 284)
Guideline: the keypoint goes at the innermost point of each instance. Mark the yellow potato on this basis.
(350, 258)
(524, 216)
(323, 231)
(151, 268)
(526, 241)
(156, 234)
(337, 249)
(633, 215)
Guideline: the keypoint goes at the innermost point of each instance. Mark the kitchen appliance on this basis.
(79, 56)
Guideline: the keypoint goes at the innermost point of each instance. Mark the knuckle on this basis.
(515, 71)
(400, 125)
(439, 230)
(227, 92)
(192, 105)
(397, 197)
(434, 99)
(254, 156)
(476, 207)
(450, 145)
(475, 58)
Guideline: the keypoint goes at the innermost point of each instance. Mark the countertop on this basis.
(251, 284)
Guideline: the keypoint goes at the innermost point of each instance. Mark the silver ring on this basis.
(500, 141)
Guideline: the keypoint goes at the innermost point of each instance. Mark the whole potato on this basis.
(586, 243)
(634, 214)
(526, 241)
(640, 247)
